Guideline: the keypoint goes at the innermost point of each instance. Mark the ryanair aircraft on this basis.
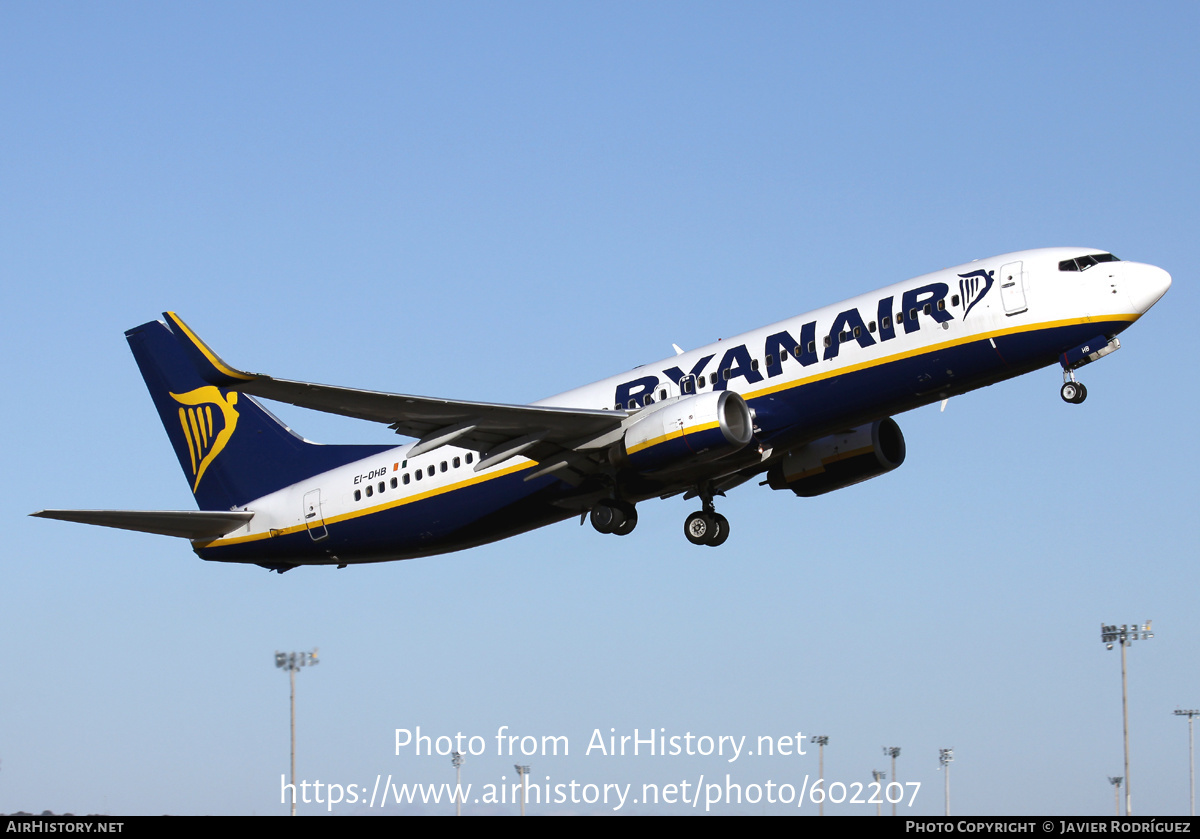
(806, 403)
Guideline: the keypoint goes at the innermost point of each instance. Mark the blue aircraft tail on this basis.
(231, 449)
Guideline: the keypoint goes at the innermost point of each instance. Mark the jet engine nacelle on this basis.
(840, 460)
(695, 429)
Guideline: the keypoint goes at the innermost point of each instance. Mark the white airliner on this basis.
(805, 402)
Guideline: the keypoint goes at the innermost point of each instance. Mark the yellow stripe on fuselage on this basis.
(931, 348)
(367, 511)
(826, 374)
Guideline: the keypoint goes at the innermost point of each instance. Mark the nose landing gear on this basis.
(1095, 349)
(1072, 391)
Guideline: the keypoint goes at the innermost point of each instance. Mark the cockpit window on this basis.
(1082, 263)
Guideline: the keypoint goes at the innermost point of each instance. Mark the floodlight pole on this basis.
(292, 662)
(1125, 635)
(523, 771)
(1115, 780)
(456, 758)
(822, 741)
(1191, 758)
(893, 752)
(879, 778)
(945, 758)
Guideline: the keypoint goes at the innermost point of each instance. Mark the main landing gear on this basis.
(619, 517)
(1072, 391)
(703, 527)
(707, 526)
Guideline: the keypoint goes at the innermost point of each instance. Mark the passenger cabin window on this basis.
(954, 300)
(358, 495)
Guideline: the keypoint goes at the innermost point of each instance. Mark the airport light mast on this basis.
(879, 778)
(822, 741)
(292, 662)
(456, 758)
(1115, 780)
(893, 752)
(523, 771)
(1125, 635)
(1191, 758)
(945, 758)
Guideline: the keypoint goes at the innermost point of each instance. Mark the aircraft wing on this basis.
(498, 430)
(190, 524)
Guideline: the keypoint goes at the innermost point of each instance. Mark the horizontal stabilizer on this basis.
(187, 524)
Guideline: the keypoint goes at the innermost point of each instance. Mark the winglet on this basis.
(208, 364)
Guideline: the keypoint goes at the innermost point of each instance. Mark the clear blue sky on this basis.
(503, 201)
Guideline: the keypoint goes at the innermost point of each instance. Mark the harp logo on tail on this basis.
(208, 420)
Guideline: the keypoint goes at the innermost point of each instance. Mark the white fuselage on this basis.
(1015, 303)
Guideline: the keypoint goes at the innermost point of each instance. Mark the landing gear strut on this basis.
(707, 526)
(1072, 391)
(1095, 349)
(619, 517)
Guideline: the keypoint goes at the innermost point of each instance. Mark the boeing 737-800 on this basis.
(806, 402)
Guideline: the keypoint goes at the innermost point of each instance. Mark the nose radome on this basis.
(1150, 284)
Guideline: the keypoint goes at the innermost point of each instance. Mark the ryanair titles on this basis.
(737, 361)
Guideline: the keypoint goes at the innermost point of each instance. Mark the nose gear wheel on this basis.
(1073, 392)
